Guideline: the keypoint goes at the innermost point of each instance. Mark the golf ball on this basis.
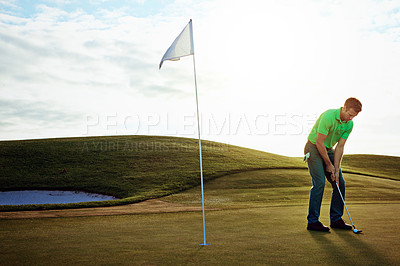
(355, 230)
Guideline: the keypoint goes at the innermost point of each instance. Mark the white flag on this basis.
(182, 46)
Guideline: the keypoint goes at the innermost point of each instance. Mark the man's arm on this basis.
(322, 151)
(338, 157)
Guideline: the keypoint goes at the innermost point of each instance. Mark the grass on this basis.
(136, 168)
(247, 230)
(373, 165)
(284, 187)
(256, 236)
(262, 200)
(133, 168)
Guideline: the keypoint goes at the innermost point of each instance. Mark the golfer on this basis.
(332, 127)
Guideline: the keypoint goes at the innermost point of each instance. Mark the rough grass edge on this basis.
(140, 198)
(123, 201)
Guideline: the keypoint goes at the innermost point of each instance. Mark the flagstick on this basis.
(201, 161)
(171, 54)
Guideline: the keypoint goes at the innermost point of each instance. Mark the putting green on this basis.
(268, 235)
(262, 221)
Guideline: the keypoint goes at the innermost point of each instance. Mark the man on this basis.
(332, 127)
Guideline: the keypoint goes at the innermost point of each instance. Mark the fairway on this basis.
(261, 220)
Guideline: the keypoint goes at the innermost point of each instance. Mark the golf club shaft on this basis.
(340, 193)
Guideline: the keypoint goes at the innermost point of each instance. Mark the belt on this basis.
(309, 142)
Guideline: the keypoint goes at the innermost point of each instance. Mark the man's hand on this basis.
(336, 176)
(331, 169)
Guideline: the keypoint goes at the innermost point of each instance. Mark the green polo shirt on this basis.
(329, 124)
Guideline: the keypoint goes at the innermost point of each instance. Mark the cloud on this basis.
(8, 4)
(74, 59)
(77, 63)
(21, 118)
(169, 92)
(39, 112)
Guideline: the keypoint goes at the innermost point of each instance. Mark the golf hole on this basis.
(49, 197)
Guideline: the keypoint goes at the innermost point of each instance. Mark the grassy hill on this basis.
(136, 168)
(132, 168)
(373, 165)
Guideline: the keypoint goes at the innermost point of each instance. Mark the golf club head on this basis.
(355, 231)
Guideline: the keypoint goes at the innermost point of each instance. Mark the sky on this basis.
(265, 70)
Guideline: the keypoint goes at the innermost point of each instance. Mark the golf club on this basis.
(355, 231)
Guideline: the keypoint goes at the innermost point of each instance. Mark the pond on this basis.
(48, 197)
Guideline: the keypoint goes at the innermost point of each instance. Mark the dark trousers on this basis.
(316, 167)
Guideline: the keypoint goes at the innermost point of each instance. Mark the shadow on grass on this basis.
(350, 250)
(357, 245)
(335, 251)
